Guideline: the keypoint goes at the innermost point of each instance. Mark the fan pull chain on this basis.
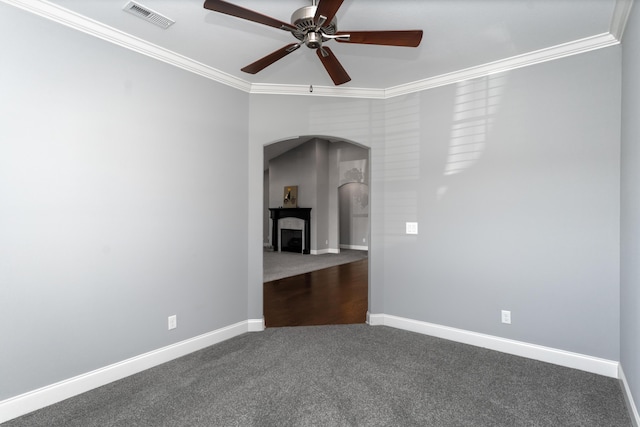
(311, 88)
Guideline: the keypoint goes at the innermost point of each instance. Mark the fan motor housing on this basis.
(306, 31)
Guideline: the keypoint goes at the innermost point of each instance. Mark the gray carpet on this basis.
(277, 265)
(351, 375)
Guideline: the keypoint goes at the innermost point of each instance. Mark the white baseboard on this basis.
(568, 359)
(255, 325)
(336, 251)
(375, 319)
(355, 247)
(28, 402)
(48, 395)
(628, 397)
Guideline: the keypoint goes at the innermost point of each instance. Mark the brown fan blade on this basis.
(333, 66)
(328, 9)
(409, 38)
(263, 63)
(240, 12)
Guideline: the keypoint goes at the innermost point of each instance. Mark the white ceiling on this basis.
(459, 35)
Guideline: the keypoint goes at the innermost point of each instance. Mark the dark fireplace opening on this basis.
(291, 240)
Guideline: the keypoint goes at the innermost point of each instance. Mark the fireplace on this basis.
(302, 213)
(291, 240)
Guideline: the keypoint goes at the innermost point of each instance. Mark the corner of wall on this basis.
(36, 399)
(628, 397)
(595, 365)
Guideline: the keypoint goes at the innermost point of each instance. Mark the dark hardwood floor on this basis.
(332, 296)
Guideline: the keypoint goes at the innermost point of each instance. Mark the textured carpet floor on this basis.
(350, 375)
(277, 265)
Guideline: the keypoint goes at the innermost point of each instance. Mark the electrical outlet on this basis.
(412, 228)
(506, 317)
(173, 322)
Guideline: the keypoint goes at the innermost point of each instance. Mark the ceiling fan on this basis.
(313, 26)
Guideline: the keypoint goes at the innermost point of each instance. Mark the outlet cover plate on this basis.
(173, 322)
(412, 228)
(506, 317)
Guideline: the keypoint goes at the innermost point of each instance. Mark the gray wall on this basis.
(514, 180)
(630, 230)
(353, 178)
(304, 166)
(354, 215)
(266, 223)
(123, 184)
(114, 214)
(322, 196)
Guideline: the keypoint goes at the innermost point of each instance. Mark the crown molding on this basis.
(343, 92)
(97, 29)
(531, 58)
(621, 14)
(89, 26)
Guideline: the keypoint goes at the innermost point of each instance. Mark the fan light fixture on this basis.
(313, 26)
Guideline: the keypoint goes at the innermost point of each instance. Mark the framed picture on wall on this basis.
(290, 199)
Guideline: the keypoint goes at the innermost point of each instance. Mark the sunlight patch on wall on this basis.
(400, 164)
(402, 148)
(477, 101)
(350, 120)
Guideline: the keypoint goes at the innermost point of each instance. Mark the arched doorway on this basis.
(331, 177)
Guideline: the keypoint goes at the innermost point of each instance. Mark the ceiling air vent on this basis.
(148, 14)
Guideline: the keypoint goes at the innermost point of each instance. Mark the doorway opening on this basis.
(329, 282)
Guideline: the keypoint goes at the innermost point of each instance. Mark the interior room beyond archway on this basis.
(316, 216)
